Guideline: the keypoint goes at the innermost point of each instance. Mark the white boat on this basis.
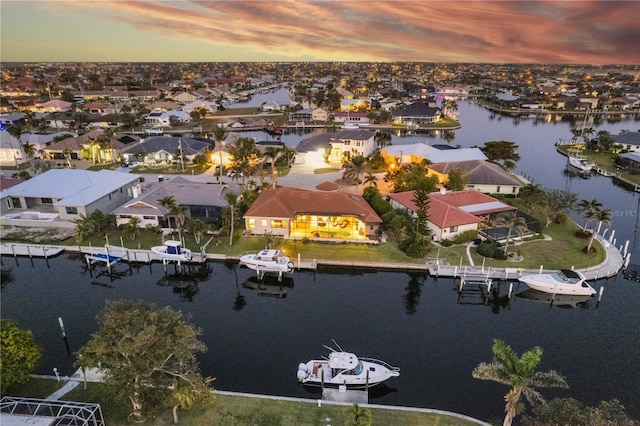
(172, 250)
(345, 369)
(582, 165)
(564, 281)
(267, 261)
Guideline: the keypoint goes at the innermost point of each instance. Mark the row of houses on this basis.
(291, 213)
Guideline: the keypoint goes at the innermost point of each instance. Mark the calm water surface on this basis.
(420, 324)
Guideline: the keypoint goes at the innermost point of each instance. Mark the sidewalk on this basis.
(90, 375)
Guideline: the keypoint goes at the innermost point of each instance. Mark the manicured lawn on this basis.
(236, 410)
(35, 388)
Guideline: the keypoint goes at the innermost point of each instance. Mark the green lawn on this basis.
(236, 410)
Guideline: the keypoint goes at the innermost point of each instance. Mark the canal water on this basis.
(256, 336)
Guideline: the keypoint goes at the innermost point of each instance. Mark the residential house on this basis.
(205, 202)
(480, 175)
(417, 113)
(351, 118)
(303, 115)
(163, 119)
(629, 161)
(320, 115)
(277, 105)
(55, 105)
(100, 108)
(451, 213)
(419, 152)
(72, 147)
(186, 97)
(68, 193)
(10, 145)
(630, 141)
(163, 149)
(350, 143)
(295, 213)
(210, 107)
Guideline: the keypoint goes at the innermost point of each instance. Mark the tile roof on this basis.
(478, 172)
(454, 208)
(286, 202)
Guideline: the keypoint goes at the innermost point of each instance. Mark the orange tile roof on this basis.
(288, 202)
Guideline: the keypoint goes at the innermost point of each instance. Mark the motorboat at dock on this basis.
(172, 250)
(345, 369)
(267, 260)
(564, 281)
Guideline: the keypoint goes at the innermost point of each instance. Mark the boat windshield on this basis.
(358, 369)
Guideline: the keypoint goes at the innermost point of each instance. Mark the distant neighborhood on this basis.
(59, 120)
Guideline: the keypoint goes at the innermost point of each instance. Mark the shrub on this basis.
(306, 240)
(417, 247)
(465, 237)
(446, 243)
(486, 249)
(583, 233)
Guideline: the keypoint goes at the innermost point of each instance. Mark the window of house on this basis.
(263, 222)
(125, 216)
(453, 229)
(46, 201)
(71, 210)
(278, 223)
(251, 223)
(148, 217)
(498, 188)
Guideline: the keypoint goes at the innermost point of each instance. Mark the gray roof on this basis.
(417, 109)
(478, 172)
(628, 138)
(185, 192)
(169, 144)
(72, 187)
(315, 143)
(435, 155)
(356, 134)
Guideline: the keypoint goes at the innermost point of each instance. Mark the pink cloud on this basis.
(470, 31)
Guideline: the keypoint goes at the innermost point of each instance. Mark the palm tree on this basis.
(272, 154)
(383, 139)
(180, 214)
(519, 373)
(197, 227)
(371, 179)
(586, 208)
(220, 135)
(30, 119)
(232, 201)
(131, 229)
(511, 221)
(15, 130)
(29, 149)
(353, 169)
(532, 192)
(107, 139)
(359, 416)
(85, 226)
(168, 202)
(599, 216)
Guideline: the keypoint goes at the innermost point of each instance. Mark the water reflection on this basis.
(558, 300)
(413, 290)
(269, 286)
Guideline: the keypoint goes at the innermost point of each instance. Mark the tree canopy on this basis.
(503, 152)
(142, 350)
(19, 354)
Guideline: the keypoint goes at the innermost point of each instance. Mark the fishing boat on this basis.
(267, 260)
(564, 281)
(345, 369)
(172, 250)
(560, 300)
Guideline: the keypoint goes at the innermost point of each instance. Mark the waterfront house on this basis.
(303, 115)
(419, 152)
(480, 175)
(67, 193)
(205, 202)
(451, 213)
(351, 118)
(163, 119)
(417, 113)
(163, 149)
(325, 216)
(630, 141)
(629, 161)
(350, 143)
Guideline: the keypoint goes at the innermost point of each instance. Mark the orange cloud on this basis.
(402, 30)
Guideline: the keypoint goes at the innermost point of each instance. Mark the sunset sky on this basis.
(596, 32)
